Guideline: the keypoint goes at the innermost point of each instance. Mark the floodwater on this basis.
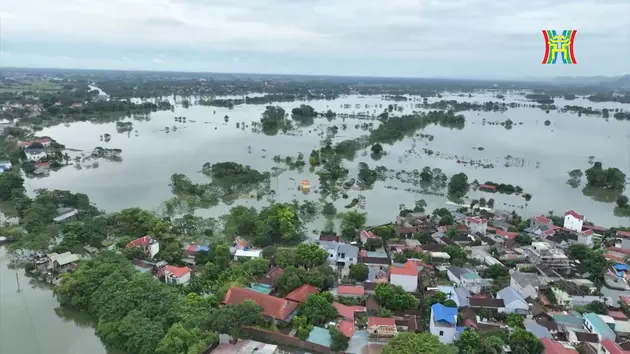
(30, 322)
(151, 156)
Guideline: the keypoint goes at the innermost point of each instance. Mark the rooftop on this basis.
(272, 306)
(599, 326)
(177, 272)
(574, 214)
(320, 336)
(301, 293)
(381, 321)
(355, 290)
(443, 313)
(347, 312)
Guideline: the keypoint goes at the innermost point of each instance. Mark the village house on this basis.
(623, 239)
(542, 254)
(476, 224)
(281, 310)
(443, 323)
(247, 254)
(381, 328)
(35, 154)
(513, 301)
(61, 262)
(366, 235)
(405, 276)
(340, 255)
(541, 222)
(176, 275)
(347, 312)
(460, 296)
(410, 224)
(555, 347)
(595, 324)
(496, 305)
(527, 284)
(44, 141)
(301, 293)
(573, 221)
(149, 246)
(350, 291)
(465, 278)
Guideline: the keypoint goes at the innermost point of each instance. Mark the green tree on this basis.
(339, 341)
(179, 340)
(310, 255)
(469, 342)
(524, 342)
(318, 309)
(359, 272)
(394, 297)
(622, 201)
(376, 149)
(419, 206)
(458, 186)
(417, 343)
(515, 321)
(597, 307)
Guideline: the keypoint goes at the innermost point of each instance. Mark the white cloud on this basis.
(419, 29)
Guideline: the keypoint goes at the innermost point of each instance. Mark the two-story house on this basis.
(476, 224)
(405, 276)
(573, 221)
(340, 254)
(443, 323)
(176, 275)
(149, 246)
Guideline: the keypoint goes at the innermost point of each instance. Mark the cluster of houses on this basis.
(543, 269)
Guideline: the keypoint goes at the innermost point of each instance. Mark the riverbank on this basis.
(31, 322)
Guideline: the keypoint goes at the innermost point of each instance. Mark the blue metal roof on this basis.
(443, 313)
(621, 266)
(203, 248)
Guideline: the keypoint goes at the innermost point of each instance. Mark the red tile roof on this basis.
(410, 268)
(553, 347)
(476, 220)
(176, 271)
(350, 290)
(367, 234)
(613, 348)
(346, 328)
(487, 186)
(618, 315)
(142, 241)
(621, 233)
(192, 249)
(587, 232)
(42, 164)
(594, 227)
(574, 214)
(272, 306)
(508, 235)
(302, 293)
(542, 219)
(625, 299)
(347, 312)
(381, 321)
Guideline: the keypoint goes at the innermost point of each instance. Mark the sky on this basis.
(406, 38)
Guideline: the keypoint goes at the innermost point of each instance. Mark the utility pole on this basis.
(17, 280)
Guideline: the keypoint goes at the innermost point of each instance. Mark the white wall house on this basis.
(340, 254)
(573, 221)
(405, 277)
(35, 154)
(176, 275)
(443, 323)
(476, 224)
(513, 300)
(586, 238)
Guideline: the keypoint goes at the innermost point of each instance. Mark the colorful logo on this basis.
(559, 45)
